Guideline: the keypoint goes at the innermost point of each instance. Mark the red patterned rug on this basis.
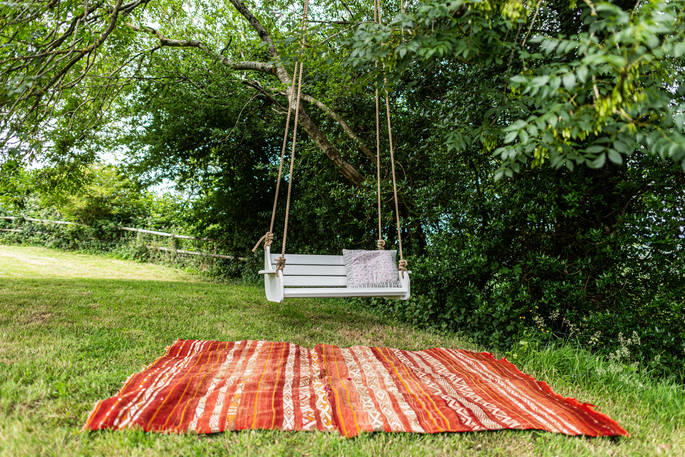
(212, 386)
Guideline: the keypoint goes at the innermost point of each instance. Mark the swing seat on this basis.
(318, 276)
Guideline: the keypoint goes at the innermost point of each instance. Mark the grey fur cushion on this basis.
(371, 268)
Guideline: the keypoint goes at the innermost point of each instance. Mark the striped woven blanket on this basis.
(212, 386)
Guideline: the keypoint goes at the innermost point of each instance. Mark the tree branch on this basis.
(257, 26)
(330, 113)
(174, 43)
(280, 71)
(347, 170)
(336, 117)
(98, 42)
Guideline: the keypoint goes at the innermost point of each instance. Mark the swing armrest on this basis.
(267, 272)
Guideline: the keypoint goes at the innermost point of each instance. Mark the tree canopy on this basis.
(540, 143)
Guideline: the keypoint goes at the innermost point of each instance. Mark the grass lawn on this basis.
(73, 327)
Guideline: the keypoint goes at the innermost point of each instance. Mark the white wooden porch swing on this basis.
(300, 275)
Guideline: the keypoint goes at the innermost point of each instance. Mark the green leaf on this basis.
(652, 41)
(569, 80)
(594, 149)
(510, 137)
(615, 157)
(548, 46)
(582, 73)
(673, 149)
(554, 83)
(679, 49)
(622, 146)
(540, 81)
(519, 124)
(598, 162)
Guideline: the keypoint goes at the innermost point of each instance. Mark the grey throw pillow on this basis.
(371, 268)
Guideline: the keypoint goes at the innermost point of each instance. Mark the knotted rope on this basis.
(267, 238)
(402, 266)
(280, 263)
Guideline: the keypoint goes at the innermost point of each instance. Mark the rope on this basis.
(280, 263)
(402, 263)
(380, 243)
(394, 179)
(268, 237)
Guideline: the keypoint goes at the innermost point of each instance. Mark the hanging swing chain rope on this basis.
(268, 237)
(297, 80)
(402, 263)
(280, 263)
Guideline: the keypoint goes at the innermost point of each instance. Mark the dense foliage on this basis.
(591, 253)
(88, 215)
(540, 145)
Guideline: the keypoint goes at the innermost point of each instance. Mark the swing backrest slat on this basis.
(313, 270)
(302, 270)
(309, 259)
(314, 281)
